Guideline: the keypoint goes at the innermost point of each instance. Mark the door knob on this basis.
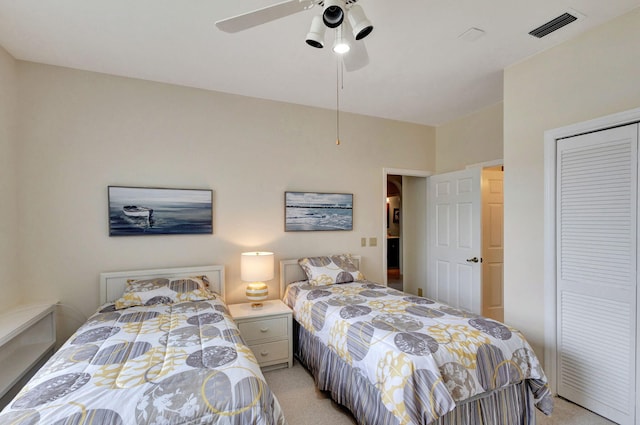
(472, 260)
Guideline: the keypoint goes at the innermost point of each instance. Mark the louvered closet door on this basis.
(597, 219)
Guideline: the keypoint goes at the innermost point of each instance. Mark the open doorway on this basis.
(411, 273)
(407, 236)
(394, 231)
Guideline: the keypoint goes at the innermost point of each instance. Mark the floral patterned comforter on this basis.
(164, 364)
(424, 357)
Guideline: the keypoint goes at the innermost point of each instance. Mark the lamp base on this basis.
(256, 292)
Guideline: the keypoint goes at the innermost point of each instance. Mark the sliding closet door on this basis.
(597, 216)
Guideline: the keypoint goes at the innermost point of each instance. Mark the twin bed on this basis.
(393, 358)
(162, 350)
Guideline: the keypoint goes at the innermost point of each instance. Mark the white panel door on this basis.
(493, 244)
(454, 272)
(596, 217)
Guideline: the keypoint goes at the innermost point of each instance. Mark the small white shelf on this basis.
(27, 335)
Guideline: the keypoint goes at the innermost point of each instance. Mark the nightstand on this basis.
(267, 331)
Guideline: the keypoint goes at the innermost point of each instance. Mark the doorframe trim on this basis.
(551, 138)
(486, 164)
(383, 239)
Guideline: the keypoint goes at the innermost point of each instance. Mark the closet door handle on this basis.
(473, 260)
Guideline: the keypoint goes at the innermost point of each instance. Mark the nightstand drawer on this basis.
(265, 328)
(271, 351)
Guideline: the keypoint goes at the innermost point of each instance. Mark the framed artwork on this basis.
(158, 211)
(396, 215)
(313, 211)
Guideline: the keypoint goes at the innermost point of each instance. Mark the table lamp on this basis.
(256, 268)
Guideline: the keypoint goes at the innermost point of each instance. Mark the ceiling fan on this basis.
(345, 16)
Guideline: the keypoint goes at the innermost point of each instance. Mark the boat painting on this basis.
(159, 211)
(136, 211)
(312, 211)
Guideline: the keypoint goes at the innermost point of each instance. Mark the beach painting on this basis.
(157, 211)
(312, 211)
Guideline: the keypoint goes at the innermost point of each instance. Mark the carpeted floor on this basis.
(303, 404)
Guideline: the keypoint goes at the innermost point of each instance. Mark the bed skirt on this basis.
(512, 405)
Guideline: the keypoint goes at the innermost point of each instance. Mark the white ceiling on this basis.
(419, 70)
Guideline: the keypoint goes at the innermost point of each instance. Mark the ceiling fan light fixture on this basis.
(333, 13)
(340, 45)
(315, 37)
(362, 27)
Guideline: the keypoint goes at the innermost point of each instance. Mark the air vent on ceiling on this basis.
(553, 25)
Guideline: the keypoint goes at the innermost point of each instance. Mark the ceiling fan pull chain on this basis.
(338, 102)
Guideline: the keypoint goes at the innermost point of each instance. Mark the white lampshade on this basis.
(359, 22)
(333, 13)
(256, 266)
(315, 37)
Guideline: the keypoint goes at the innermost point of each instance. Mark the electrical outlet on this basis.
(363, 242)
(373, 241)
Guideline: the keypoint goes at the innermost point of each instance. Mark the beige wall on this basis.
(80, 132)
(594, 75)
(11, 290)
(470, 140)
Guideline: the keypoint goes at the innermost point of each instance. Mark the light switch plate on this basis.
(363, 242)
(373, 241)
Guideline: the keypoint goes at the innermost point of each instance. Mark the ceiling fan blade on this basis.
(357, 57)
(264, 15)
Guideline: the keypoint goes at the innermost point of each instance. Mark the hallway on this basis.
(394, 279)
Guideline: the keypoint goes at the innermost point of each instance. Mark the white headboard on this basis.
(112, 284)
(290, 271)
